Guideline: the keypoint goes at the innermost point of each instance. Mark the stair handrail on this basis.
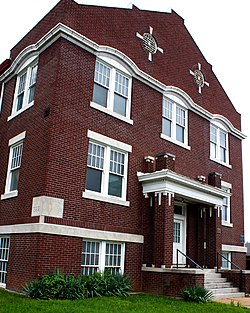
(240, 269)
(187, 257)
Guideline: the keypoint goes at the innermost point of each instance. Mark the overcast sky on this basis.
(219, 27)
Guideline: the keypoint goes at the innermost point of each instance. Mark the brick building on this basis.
(118, 148)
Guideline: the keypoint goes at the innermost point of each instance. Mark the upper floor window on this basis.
(13, 171)
(219, 144)
(107, 166)
(174, 122)
(25, 89)
(112, 90)
(225, 209)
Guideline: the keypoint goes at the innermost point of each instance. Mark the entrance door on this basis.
(179, 238)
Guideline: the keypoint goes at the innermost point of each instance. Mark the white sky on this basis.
(220, 28)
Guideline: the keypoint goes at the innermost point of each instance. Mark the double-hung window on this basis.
(107, 166)
(112, 90)
(225, 260)
(219, 144)
(25, 89)
(100, 256)
(174, 122)
(4, 257)
(225, 209)
(13, 171)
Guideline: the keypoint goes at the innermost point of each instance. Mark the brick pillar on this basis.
(214, 179)
(148, 207)
(149, 164)
(165, 161)
(163, 230)
(214, 237)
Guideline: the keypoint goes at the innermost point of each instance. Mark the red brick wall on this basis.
(32, 255)
(55, 148)
(169, 284)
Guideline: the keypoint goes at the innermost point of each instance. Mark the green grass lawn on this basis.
(13, 303)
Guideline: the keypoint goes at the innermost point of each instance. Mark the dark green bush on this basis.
(58, 285)
(197, 294)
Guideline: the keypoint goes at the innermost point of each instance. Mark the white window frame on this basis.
(1, 96)
(176, 103)
(12, 143)
(26, 68)
(115, 67)
(102, 256)
(109, 144)
(4, 258)
(229, 256)
(226, 187)
(219, 128)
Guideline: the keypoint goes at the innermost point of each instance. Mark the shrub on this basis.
(58, 285)
(196, 293)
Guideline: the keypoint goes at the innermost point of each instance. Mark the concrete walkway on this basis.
(244, 302)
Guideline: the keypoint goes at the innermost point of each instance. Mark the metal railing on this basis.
(187, 257)
(217, 267)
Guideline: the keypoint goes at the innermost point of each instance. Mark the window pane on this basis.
(115, 185)
(21, 85)
(116, 162)
(95, 156)
(121, 84)
(33, 75)
(177, 233)
(94, 179)
(223, 142)
(213, 150)
(120, 104)
(223, 154)
(31, 93)
(102, 74)
(90, 257)
(180, 133)
(14, 179)
(100, 95)
(166, 127)
(213, 134)
(20, 101)
(180, 116)
(4, 256)
(167, 109)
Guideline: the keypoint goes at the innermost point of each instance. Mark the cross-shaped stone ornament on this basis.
(149, 43)
(199, 78)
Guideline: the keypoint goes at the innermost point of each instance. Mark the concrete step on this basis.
(228, 295)
(224, 290)
(214, 285)
(212, 275)
(214, 280)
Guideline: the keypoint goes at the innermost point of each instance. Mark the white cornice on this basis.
(166, 181)
(61, 30)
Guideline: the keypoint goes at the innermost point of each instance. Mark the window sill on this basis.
(114, 114)
(26, 107)
(100, 197)
(176, 142)
(220, 162)
(227, 224)
(9, 195)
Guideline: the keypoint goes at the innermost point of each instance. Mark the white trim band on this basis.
(61, 30)
(231, 248)
(70, 231)
(109, 141)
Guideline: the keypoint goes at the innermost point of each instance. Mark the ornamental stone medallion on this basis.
(149, 43)
(199, 78)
